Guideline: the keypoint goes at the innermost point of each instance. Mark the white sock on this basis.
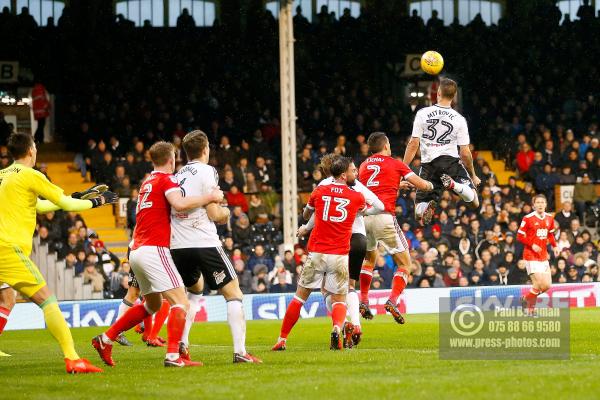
(352, 302)
(194, 300)
(464, 192)
(237, 324)
(123, 307)
(328, 303)
(105, 339)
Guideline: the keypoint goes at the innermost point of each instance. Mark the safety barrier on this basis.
(272, 306)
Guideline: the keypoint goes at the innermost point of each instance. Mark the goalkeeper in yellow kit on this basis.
(20, 187)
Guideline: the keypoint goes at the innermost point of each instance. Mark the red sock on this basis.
(338, 314)
(366, 276)
(531, 298)
(398, 284)
(131, 318)
(175, 328)
(291, 316)
(159, 320)
(4, 313)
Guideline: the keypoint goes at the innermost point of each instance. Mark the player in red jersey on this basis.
(151, 260)
(383, 174)
(536, 231)
(335, 206)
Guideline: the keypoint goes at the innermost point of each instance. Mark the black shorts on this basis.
(210, 262)
(432, 171)
(358, 250)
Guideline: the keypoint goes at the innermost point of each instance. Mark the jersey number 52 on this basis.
(340, 209)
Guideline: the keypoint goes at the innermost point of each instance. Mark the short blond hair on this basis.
(161, 152)
(448, 88)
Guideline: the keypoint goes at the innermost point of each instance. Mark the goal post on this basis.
(288, 123)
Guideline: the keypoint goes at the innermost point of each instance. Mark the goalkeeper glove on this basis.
(91, 193)
(104, 198)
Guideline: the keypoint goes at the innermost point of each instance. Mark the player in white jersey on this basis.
(446, 160)
(197, 250)
(358, 250)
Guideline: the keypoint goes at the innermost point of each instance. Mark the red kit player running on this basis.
(335, 206)
(151, 260)
(536, 231)
(383, 175)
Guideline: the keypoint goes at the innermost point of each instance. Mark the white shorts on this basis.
(154, 269)
(329, 271)
(538, 267)
(384, 229)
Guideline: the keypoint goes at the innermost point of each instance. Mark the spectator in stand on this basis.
(93, 277)
(545, 182)
(226, 154)
(105, 169)
(264, 174)
(132, 209)
(518, 275)
(185, 21)
(40, 105)
(258, 212)
(236, 198)
(123, 287)
(71, 245)
(584, 196)
(565, 216)
(260, 258)
(260, 281)
(566, 176)
(80, 263)
(244, 276)
(282, 285)
(525, 159)
(251, 185)
(227, 181)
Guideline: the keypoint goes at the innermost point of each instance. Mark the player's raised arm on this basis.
(56, 199)
(462, 139)
(181, 203)
(467, 159)
(46, 206)
(413, 144)
(420, 183)
(411, 150)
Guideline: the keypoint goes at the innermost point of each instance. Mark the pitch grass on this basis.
(399, 362)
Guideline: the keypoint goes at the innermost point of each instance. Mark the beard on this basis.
(351, 183)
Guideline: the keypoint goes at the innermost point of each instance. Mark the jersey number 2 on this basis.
(143, 198)
(340, 207)
(433, 132)
(376, 170)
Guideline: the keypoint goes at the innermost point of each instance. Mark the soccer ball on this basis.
(432, 62)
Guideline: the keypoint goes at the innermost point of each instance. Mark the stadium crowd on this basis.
(541, 120)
